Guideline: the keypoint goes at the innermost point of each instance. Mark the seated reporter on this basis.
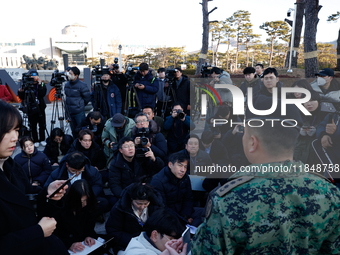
(76, 163)
(127, 218)
(178, 126)
(89, 148)
(130, 165)
(153, 138)
(95, 122)
(173, 183)
(35, 164)
(162, 236)
(57, 145)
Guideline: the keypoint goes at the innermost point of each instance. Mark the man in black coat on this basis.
(95, 122)
(183, 90)
(33, 97)
(173, 183)
(130, 166)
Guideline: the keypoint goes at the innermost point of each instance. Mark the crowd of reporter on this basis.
(147, 160)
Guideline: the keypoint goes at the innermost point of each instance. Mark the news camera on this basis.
(170, 75)
(57, 80)
(205, 70)
(130, 73)
(98, 72)
(27, 81)
(115, 66)
(142, 133)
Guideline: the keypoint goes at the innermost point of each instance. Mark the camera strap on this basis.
(104, 101)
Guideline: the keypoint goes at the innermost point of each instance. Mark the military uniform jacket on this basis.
(272, 213)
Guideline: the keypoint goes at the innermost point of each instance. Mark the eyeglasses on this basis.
(128, 146)
(141, 121)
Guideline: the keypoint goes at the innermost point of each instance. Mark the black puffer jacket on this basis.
(37, 166)
(123, 224)
(121, 176)
(157, 140)
(52, 151)
(77, 96)
(176, 193)
(95, 154)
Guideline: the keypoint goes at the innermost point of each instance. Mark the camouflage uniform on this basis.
(272, 213)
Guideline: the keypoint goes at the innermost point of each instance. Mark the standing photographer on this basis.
(183, 90)
(120, 80)
(146, 86)
(32, 94)
(77, 97)
(106, 96)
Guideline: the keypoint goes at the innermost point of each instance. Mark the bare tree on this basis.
(312, 9)
(297, 35)
(205, 37)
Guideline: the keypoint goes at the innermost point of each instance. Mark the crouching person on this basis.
(162, 232)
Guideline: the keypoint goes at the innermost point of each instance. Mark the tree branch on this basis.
(212, 10)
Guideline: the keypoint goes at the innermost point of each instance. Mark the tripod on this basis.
(61, 113)
(167, 94)
(133, 110)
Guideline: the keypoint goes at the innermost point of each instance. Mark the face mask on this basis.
(321, 81)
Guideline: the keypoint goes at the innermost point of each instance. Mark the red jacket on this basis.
(4, 93)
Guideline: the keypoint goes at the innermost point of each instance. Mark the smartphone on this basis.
(62, 186)
(186, 238)
(241, 129)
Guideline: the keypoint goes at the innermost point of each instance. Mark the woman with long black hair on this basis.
(20, 231)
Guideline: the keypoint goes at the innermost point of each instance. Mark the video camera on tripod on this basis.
(57, 80)
(170, 75)
(130, 73)
(27, 81)
(98, 72)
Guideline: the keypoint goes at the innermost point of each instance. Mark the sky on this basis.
(171, 23)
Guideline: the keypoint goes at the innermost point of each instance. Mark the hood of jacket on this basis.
(148, 76)
(153, 127)
(224, 74)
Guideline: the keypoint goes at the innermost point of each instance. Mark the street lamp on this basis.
(291, 37)
(120, 57)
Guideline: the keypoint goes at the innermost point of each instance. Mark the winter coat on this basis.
(86, 124)
(234, 146)
(94, 153)
(51, 150)
(113, 99)
(157, 140)
(185, 92)
(264, 91)
(121, 175)
(146, 96)
(332, 94)
(176, 193)
(90, 174)
(74, 228)
(19, 229)
(303, 150)
(321, 131)
(225, 94)
(141, 245)
(110, 135)
(123, 224)
(202, 159)
(218, 153)
(37, 166)
(178, 133)
(4, 94)
(77, 96)
(256, 84)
